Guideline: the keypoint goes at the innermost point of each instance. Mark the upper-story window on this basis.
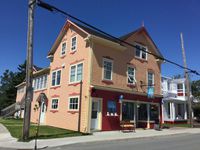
(40, 82)
(73, 43)
(107, 69)
(56, 77)
(131, 75)
(140, 51)
(76, 73)
(63, 48)
(150, 79)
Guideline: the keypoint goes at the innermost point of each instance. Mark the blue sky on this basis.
(164, 21)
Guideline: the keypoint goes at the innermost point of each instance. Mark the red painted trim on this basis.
(55, 87)
(53, 111)
(74, 94)
(74, 84)
(77, 61)
(63, 56)
(54, 96)
(107, 82)
(72, 52)
(73, 112)
(180, 94)
(57, 68)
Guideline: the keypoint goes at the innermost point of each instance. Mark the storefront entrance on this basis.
(96, 115)
(147, 115)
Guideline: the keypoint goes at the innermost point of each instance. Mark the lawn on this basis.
(45, 132)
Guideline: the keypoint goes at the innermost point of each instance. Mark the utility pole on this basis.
(29, 68)
(190, 120)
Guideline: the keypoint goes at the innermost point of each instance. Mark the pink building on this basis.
(114, 79)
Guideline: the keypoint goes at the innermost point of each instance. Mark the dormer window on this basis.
(140, 51)
(73, 43)
(63, 48)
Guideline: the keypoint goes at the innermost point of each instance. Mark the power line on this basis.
(53, 8)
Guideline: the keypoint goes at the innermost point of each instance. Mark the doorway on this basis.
(43, 111)
(96, 115)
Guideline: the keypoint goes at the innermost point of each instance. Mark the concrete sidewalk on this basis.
(98, 136)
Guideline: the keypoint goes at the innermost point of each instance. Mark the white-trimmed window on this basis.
(131, 75)
(76, 72)
(73, 103)
(63, 48)
(56, 77)
(54, 103)
(40, 82)
(150, 79)
(73, 43)
(140, 51)
(107, 69)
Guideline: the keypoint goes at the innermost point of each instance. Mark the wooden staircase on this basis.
(12, 109)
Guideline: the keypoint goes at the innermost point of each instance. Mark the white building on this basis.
(174, 100)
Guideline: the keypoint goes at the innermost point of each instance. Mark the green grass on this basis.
(45, 132)
(176, 125)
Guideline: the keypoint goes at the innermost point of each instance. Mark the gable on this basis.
(141, 36)
(62, 33)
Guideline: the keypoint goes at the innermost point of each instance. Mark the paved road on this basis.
(173, 142)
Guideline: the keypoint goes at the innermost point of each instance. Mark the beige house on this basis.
(114, 79)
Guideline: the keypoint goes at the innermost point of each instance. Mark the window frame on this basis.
(129, 66)
(73, 50)
(73, 103)
(76, 69)
(57, 103)
(56, 71)
(65, 51)
(39, 83)
(141, 52)
(153, 78)
(111, 75)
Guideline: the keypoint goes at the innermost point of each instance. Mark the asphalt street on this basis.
(173, 142)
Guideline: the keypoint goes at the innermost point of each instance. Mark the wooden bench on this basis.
(127, 126)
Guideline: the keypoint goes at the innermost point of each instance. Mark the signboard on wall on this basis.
(150, 92)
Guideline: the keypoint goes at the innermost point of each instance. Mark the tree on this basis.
(8, 81)
(196, 89)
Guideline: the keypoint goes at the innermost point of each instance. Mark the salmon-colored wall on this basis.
(121, 59)
(20, 94)
(63, 117)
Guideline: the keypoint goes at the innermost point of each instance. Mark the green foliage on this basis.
(8, 81)
(196, 89)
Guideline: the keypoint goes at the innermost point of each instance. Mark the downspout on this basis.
(90, 66)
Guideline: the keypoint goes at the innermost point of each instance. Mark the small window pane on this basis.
(72, 73)
(107, 70)
(53, 78)
(58, 77)
(74, 42)
(63, 48)
(79, 72)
